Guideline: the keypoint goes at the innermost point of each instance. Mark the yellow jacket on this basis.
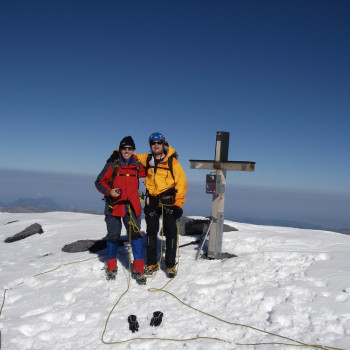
(162, 180)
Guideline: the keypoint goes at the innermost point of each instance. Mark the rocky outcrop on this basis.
(190, 226)
(29, 231)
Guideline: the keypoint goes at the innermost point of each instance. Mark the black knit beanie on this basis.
(127, 141)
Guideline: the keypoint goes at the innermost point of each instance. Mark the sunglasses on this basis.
(127, 148)
(156, 143)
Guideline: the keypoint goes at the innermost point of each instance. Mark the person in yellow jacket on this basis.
(166, 187)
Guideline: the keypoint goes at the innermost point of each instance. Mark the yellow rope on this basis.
(164, 339)
(115, 305)
(132, 222)
(57, 267)
(162, 289)
(324, 347)
(3, 299)
(132, 225)
(127, 289)
(38, 274)
(300, 344)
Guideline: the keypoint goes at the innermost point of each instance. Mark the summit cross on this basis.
(216, 184)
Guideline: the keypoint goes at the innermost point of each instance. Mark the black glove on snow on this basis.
(177, 212)
(133, 324)
(156, 319)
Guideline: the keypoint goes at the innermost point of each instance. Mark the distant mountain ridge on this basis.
(43, 205)
(36, 205)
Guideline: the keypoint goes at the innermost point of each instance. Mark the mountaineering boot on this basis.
(139, 277)
(112, 269)
(138, 272)
(171, 271)
(110, 275)
(151, 269)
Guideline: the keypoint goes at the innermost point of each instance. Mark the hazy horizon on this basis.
(327, 209)
(78, 76)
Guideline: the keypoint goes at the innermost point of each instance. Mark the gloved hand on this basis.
(133, 324)
(177, 212)
(156, 319)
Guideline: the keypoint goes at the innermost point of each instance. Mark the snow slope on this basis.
(284, 282)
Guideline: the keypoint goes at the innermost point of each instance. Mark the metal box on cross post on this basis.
(215, 185)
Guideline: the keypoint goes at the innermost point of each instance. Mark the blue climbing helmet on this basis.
(156, 136)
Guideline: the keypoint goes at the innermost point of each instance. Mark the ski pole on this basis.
(206, 235)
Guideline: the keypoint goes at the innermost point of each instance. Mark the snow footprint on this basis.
(35, 312)
(322, 256)
(316, 282)
(57, 317)
(71, 296)
(345, 295)
(31, 330)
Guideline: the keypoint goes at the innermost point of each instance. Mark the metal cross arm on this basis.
(228, 165)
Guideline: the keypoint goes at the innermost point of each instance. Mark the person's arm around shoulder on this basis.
(141, 157)
(142, 172)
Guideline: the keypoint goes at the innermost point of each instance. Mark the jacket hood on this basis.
(168, 150)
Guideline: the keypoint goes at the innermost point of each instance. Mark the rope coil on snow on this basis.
(162, 289)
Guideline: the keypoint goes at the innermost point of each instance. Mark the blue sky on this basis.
(77, 76)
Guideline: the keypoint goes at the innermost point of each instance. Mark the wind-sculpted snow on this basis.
(291, 282)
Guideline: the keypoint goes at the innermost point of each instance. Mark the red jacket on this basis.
(127, 180)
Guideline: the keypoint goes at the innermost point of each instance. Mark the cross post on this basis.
(216, 185)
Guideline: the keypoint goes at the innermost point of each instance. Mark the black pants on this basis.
(153, 212)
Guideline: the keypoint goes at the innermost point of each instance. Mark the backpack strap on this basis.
(148, 160)
(115, 172)
(170, 164)
(116, 168)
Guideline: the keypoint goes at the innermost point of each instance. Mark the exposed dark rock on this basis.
(90, 245)
(11, 222)
(190, 226)
(29, 231)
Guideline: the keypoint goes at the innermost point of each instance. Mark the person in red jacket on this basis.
(119, 182)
